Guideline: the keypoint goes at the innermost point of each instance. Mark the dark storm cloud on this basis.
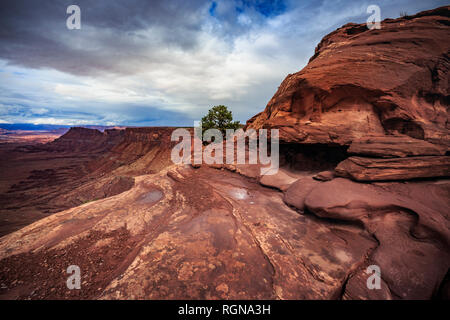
(34, 33)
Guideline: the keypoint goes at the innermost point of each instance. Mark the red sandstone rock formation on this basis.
(359, 82)
(383, 92)
(370, 169)
(394, 146)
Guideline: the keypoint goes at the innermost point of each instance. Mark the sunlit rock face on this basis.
(388, 81)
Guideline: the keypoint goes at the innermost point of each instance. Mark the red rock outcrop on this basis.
(394, 146)
(361, 82)
(370, 169)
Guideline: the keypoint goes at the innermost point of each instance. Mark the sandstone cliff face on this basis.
(359, 82)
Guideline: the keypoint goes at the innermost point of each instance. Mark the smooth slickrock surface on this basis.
(413, 237)
(213, 234)
(207, 233)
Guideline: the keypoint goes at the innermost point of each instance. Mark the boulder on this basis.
(324, 175)
(281, 180)
(296, 194)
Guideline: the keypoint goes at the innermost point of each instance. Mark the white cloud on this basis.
(39, 111)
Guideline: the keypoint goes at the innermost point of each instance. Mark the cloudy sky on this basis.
(143, 63)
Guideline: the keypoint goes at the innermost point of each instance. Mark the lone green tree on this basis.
(219, 117)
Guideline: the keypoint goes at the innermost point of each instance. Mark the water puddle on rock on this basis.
(239, 193)
(150, 197)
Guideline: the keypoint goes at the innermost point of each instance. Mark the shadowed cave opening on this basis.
(313, 157)
(408, 127)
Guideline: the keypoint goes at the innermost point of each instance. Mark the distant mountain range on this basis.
(46, 127)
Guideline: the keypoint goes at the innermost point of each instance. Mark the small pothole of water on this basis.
(239, 193)
(151, 197)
